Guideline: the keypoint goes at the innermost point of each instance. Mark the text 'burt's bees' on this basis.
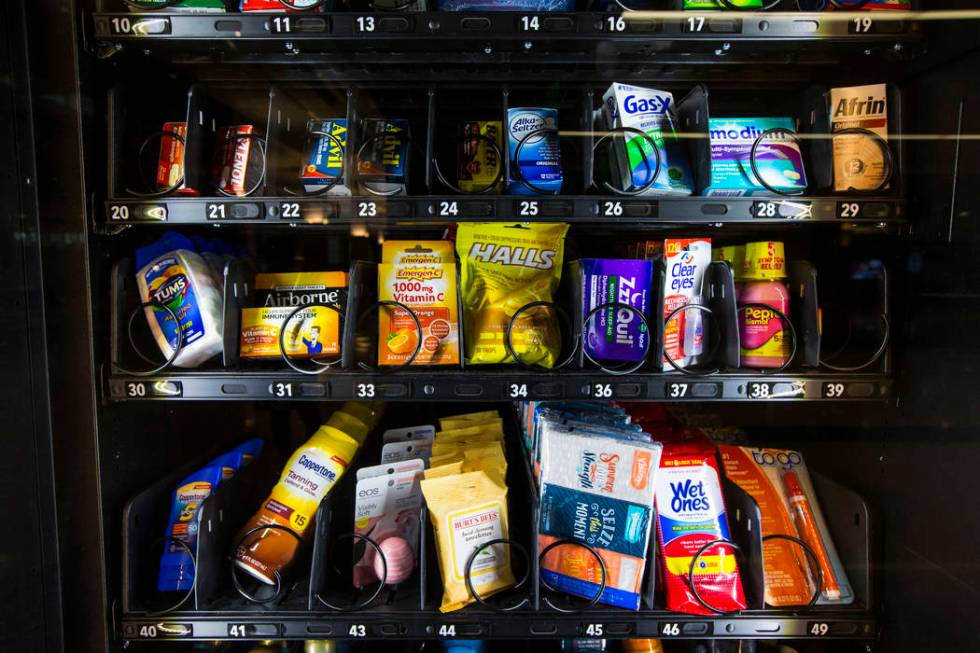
(422, 276)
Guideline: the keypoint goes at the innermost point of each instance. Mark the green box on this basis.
(702, 5)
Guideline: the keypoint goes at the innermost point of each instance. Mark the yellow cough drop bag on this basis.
(504, 268)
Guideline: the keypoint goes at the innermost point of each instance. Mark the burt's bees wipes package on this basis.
(422, 276)
(479, 162)
(859, 162)
(468, 510)
(690, 514)
(598, 489)
(313, 331)
(504, 268)
(779, 482)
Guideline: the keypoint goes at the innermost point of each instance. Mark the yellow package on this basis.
(447, 469)
(468, 510)
(461, 446)
(421, 275)
(447, 423)
(453, 424)
(369, 412)
(350, 425)
(313, 331)
(490, 430)
(504, 268)
(479, 162)
(490, 462)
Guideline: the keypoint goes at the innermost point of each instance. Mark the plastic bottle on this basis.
(762, 332)
(308, 476)
(173, 274)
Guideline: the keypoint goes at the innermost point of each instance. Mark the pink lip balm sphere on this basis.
(400, 558)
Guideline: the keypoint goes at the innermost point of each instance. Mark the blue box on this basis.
(540, 162)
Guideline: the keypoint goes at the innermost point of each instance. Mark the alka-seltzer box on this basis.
(234, 159)
(382, 168)
(325, 157)
(859, 162)
(187, 6)
(616, 332)
(540, 162)
(252, 6)
(778, 158)
(651, 111)
(685, 260)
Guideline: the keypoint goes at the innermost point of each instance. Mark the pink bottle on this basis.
(762, 333)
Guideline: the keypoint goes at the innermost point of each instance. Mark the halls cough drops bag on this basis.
(504, 268)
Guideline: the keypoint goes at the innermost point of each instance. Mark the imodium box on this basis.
(859, 162)
(597, 490)
(325, 157)
(650, 111)
(540, 162)
(615, 332)
(778, 158)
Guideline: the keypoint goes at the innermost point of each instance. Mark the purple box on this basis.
(615, 332)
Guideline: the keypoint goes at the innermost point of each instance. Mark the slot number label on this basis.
(861, 25)
(847, 210)
(670, 629)
(281, 25)
(530, 23)
(528, 208)
(367, 209)
(281, 390)
(216, 211)
(758, 390)
(693, 24)
(365, 24)
(119, 213)
(677, 390)
(125, 26)
(834, 390)
(365, 391)
(165, 631)
(818, 629)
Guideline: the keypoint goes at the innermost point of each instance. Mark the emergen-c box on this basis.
(652, 112)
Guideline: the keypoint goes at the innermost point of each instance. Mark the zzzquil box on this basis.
(778, 158)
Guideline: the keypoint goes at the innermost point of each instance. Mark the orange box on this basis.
(422, 276)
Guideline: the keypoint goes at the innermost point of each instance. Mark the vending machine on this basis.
(490, 325)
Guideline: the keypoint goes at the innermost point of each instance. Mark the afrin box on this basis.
(859, 162)
(650, 111)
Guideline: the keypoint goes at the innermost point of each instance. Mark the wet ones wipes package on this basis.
(597, 490)
(313, 331)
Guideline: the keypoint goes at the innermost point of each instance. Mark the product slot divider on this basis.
(849, 521)
(805, 311)
(238, 287)
(145, 519)
(745, 524)
(222, 517)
